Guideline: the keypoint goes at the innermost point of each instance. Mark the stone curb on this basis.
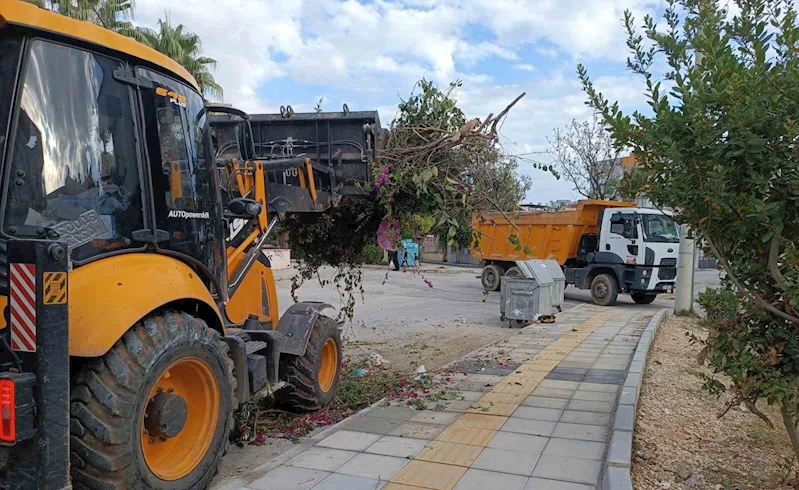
(616, 474)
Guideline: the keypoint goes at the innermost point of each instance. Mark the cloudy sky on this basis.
(370, 53)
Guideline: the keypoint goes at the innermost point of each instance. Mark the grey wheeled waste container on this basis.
(524, 300)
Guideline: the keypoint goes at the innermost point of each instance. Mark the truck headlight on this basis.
(646, 272)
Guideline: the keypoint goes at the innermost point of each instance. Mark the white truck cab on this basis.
(637, 249)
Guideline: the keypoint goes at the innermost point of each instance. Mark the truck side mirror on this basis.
(242, 207)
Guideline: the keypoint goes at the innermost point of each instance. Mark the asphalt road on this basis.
(456, 295)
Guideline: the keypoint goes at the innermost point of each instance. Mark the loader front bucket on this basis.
(34, 383)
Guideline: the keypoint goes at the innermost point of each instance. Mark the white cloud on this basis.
(366, 53)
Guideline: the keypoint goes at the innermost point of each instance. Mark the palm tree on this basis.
(177, 43)
(186, 48)
(114, 15)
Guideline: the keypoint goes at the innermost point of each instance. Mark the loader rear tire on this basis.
(313, 378)
(171, 368)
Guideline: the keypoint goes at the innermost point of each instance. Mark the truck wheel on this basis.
(492, 274)
(604, 290)
(514, 272)
(156, 411)
(643, 299)
(313, 378)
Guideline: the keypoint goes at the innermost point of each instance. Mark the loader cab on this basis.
(113, 158)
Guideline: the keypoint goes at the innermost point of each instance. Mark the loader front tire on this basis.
(155, 412)
(313, 378)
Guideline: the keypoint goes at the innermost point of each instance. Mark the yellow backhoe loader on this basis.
(138, 308)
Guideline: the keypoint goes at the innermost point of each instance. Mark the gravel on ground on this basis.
(680, 443)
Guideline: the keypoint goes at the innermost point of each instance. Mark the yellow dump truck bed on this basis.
(546, 234)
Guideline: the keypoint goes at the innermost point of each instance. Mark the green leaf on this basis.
(767, 236)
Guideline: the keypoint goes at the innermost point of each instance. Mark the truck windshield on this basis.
(659, 228)
(74, 169)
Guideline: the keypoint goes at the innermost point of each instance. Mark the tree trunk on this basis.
(790, 416)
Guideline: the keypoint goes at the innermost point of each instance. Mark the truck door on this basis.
(620, 239)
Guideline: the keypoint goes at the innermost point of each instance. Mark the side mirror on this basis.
(242, 207)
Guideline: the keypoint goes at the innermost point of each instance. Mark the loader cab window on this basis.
(73, 172)
(9, 61)
(185, 190)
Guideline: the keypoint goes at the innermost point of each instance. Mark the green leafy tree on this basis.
(720, 147)
(114, 15)
(186, 48)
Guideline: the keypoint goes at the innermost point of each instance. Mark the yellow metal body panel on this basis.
(108, 296)
(547, 234)
(24, 14)
(255, 296)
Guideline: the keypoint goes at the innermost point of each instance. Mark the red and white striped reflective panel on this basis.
(22, 302)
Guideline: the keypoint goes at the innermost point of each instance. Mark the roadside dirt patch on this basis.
(432, 344)
(679, 441)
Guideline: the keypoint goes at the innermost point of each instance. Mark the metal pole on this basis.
(684, 293)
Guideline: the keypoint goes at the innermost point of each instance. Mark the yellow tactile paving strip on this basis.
(440, 465)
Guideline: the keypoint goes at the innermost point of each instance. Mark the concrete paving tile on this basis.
(575, 449)
(603, 380)
(565, 377)
(401, 447)
(569, 370)
(430, 475)
(450, 453)
(581, 431)
(435, 417)
(491, 408)
(502, 398)
(470, 396)
(402, 413)
(320, 458)
(587, 418)
(589, 406)
(373, 466)
(524, 443)
(577, 363)
(466, 435)
(535, 413)
(542, 484)
(457, 406)
(475, 479)
(543, 402)
(346, 482)
(506, 461)
(553, 392)
(568, 469)
(350, 440)
(481, 421)
(559, 385)
(472, 386)
(374, 425)
(606, 388)
(531, 427)
(416, 430)
(594, 396)
(399, 486)
(284, 477)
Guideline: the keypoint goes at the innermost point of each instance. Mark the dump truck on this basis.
(138, 310)
(608, 247)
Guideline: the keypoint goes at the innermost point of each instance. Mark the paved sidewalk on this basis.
(538, 420)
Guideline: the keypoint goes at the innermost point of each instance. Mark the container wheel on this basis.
(313, 378)
(156, 411)
(604, 290)
(643, 299)
(491, 277)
